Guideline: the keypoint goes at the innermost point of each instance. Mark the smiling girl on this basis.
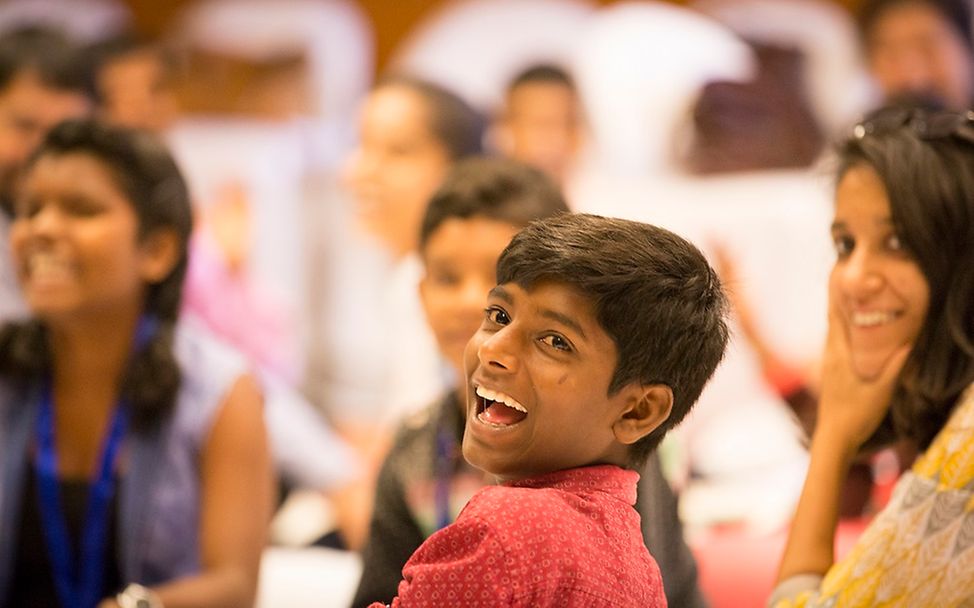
(132, 451)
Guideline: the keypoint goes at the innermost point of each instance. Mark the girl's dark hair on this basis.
(925, 160)
(50, 54)
(453, 122)
(542, 73)
(148, 176)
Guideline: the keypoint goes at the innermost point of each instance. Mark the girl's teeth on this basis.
(46, 265)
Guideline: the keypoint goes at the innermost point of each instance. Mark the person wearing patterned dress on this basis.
(899, 364)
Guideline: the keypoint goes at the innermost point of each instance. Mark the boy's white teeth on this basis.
(507, 400)
(872, 318)
(46, 265)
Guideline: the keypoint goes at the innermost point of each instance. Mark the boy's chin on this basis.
(478, 458)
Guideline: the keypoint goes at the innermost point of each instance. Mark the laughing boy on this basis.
(598, 338)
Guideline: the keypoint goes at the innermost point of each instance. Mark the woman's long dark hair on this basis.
(148, 176)
(929, 179)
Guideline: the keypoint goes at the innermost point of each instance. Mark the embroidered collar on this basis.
(610, 479)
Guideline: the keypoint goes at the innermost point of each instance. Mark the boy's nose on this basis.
(46, 221)
(359, 166)
(497, 352)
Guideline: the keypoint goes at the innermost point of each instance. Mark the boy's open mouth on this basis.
(497, 409)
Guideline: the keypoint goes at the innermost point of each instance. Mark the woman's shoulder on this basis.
(963, 415)
(210, 369)
(950, 457)
(201, 354)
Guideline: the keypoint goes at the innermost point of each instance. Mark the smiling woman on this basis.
(128, 444)
(879, 292)
(73, 242)
(899, 364)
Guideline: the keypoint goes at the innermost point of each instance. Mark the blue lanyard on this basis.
(78, 584)
(443, 470)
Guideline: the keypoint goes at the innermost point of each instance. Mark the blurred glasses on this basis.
(927, 125)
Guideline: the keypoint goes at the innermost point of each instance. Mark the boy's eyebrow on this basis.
(564, 320)
(501, 293)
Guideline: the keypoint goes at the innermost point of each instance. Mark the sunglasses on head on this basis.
(925, 124)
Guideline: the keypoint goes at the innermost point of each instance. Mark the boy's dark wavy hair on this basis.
(654, 294)
(925, 160)
(148, 176)
(493, 188)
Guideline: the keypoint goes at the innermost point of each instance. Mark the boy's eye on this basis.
(80, 206)
(27, 207)
(843, 245)
(444, 278)
(557, 342)
(497, 315)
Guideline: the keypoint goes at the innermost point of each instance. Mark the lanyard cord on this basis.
(79, 583)
(76, 588)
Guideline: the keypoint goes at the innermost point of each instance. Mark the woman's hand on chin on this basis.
(854, 401)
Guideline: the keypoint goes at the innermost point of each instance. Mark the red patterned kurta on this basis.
(567, 539)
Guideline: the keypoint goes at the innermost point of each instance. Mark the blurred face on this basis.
(914, 49)
(538, 373)
(398, 165)
(460, 258)
(135, 92)
(74, 241)
(28, 109)
(541, 127)
(876, 287)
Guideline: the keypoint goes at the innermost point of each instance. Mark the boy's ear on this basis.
(160, 253)
(647, 407)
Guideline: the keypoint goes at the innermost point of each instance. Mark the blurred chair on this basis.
(307, 578)
(333, 35)
(261, 162)
(84, 20)
(475, 47)
(837, 82)
(328, 43)
(639, 67)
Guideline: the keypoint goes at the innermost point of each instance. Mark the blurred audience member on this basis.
(762, 123)
(920, 47)
(541, 121)
(411, 132)
(134, 80)
(134, 449)
(43, 80)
